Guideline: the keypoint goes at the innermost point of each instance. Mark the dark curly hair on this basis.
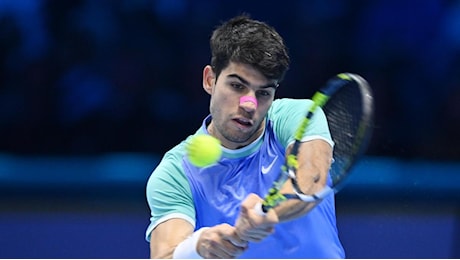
(244, 40)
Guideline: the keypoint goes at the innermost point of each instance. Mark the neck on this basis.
(233, 145)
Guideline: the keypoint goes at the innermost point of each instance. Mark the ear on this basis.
(209, 79)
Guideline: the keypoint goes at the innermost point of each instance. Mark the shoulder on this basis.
(286, 114)
(170, 169)
(288, 111)
(168, 187)
(288, 106)
(168, 191)
(288, 103)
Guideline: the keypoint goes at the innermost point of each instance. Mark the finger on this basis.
(269, 219)
(230, 234)
(212, 255)
(225, 249)
(255, 235)
(237, 241)
(261, 231)
(250, 202)
(230, 243)
(216, 250)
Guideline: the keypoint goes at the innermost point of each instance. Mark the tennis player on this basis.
(210, 212)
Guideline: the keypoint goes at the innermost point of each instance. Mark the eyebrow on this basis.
(244, 81)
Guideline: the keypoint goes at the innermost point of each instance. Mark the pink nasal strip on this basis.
(245, 99)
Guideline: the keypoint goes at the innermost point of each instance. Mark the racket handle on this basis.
(259, 208)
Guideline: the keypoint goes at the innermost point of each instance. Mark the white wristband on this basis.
(187, 248)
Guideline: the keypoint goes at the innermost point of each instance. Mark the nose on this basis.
(248, 103)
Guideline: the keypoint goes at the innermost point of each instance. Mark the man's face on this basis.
(234, 123)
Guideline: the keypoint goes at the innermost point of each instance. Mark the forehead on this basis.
(247, 73)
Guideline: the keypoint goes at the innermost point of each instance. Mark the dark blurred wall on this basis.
(86, 77)
(92, 93)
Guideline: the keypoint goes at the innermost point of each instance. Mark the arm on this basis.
(167, 235)
(174, 237)
(314, 160)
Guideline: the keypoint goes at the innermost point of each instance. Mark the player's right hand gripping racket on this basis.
(348, 104)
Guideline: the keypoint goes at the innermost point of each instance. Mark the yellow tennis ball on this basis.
(203, 150)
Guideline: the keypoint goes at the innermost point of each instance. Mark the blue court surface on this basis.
(94, 207)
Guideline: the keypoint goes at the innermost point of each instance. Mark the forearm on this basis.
(161, 252)
(314, 160)
(167, 236)
(188, 248)
(220, 241)
(292, 209)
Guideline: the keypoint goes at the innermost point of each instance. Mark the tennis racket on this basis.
(347, 102)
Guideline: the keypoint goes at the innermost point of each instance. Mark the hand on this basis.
(251, 225)
(221, 241)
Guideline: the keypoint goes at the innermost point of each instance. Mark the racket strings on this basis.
(348, 106)
(344, 113)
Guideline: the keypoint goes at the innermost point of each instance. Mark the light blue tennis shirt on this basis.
(212, 195)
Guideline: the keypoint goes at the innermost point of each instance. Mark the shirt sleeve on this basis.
(286, 115)
(168, 193)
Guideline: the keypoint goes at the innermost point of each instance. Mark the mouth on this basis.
(244, 122)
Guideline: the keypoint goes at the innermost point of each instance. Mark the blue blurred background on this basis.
(92, 93)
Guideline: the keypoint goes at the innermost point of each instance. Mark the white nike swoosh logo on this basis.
(265, 170)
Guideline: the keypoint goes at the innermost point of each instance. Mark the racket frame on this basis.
(289, 168)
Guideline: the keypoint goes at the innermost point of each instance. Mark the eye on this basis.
(263, 93)
(237, 85)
